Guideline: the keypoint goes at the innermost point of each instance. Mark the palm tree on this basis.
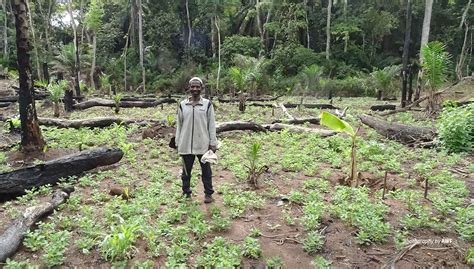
(56, 91)
(383, 79)
(435, 68)
(64, 65)
(311, 75)
(64, 62)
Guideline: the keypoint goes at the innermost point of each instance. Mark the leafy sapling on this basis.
(338, 125)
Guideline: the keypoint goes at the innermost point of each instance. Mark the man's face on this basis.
(195, 88)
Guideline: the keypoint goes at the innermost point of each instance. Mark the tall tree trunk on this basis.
(35, 44)
(425, 34)
(213, 38)
(305, 3)
(83, 28)
(328, 30)
(219, 52)
(190, 29)
(267, 20)
(141, 41)
(94, 51)
(134, 22)
(5, 31)
(460, 63)
(406, 51)
(464, 14)
(127, 38)
(46, 17)
(345, 10)
(259, 22)
(31, 138)
(77, 63)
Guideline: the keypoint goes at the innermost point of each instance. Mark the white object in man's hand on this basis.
(209, 157)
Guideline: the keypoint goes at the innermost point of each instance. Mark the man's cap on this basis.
(196, 79)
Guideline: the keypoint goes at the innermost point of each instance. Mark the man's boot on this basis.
(208, 199)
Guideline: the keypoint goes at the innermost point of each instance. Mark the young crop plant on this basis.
(12, 264)
(251, 248)
(220, 253)
(239, 201)
(118, 245)
(321, 263)
(56, 91)
(464, 223)
(313, 242)
(353, 206)
(254, 169)
(255, 232)
(470, 256)
(338, 125)
(55, 249)
(275, 262)
(13, 125)
(117, 99)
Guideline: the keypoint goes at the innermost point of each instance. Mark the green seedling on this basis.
(338, 125)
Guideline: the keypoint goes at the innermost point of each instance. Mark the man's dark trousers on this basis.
(186, 174)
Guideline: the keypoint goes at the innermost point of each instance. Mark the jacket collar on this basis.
(200, 102)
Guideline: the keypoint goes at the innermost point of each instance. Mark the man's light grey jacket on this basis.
(196, 127)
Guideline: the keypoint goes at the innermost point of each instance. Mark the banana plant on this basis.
(338, 125)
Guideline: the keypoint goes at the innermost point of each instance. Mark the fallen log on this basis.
(290, 117)
(299, 121)
(94, 123)
(290, 105)
(251, 99)
(239, 125)
(298, 129)
(383, 107)
(11, 239)
(100, 122)
(252, 126)
(125, 104)
(5, 104)
(400, 132)
(139, 99)
(464, 103)
(14, 98)
(16, 182)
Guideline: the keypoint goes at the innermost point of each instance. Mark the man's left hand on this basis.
(213, 148)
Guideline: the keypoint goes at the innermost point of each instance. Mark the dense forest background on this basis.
(255, 46)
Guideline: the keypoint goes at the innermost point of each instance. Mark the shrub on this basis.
(456, 128)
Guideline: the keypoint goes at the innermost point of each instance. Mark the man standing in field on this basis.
(195, 135)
